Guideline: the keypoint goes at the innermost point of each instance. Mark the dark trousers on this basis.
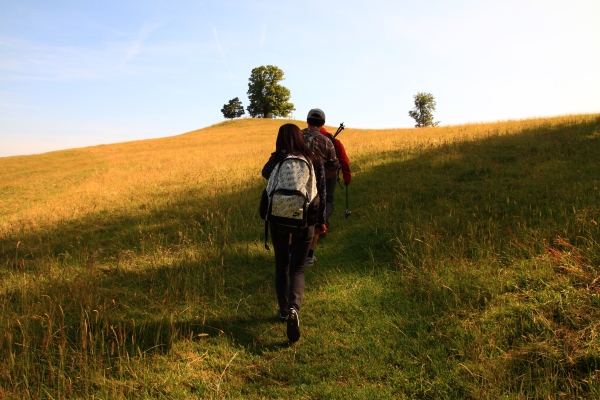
(290, 258)
(330, 187)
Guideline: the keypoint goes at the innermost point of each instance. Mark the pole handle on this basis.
(341, 128)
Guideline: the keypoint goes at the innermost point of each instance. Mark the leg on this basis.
(313, 244)
(330, 186)
(280, 237)
(301, 241)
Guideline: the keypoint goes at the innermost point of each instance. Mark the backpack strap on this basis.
(332, 138)
(266, 234)
(308, 139)
(276, 178)
(278, 166)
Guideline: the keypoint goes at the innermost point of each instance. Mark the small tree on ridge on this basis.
(423, 111)
(233, 109)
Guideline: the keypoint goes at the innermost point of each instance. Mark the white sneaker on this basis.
(311, 260)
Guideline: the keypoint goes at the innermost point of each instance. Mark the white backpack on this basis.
(291, 194)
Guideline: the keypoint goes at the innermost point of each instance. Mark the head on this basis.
(316, 117)
(290, 140)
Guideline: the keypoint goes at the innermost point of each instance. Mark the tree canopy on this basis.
(233, 109)
(423, 111)
(268, 99)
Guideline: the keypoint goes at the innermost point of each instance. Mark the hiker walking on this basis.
(340, 152)
(295, 213)
(324, 148)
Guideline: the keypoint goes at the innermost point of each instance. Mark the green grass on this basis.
(469, 268)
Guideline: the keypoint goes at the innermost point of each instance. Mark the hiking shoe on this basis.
(311, 260)
(293, 325)
(282, 316)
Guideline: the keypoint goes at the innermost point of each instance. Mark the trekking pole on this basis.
(348, 212)
(341, 128)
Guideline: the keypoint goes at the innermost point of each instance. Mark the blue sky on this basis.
(79, 73)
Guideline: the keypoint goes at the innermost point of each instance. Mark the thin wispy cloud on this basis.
(220, 50)
(136, 45)
(26, 60)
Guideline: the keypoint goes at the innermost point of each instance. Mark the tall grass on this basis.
(468, 269)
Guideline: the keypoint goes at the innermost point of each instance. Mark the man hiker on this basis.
(324, 148)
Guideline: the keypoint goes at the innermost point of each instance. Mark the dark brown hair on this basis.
(290, 141)
(315, 122)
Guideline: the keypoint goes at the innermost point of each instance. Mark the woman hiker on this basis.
(295, 165)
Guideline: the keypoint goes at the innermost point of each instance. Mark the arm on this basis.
(344, 161)
(332, 163)
(268, 167)
(321, 189)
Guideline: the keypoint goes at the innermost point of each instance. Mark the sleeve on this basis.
(344, 161)
(332, 163)
(268, 167)
(322, 189)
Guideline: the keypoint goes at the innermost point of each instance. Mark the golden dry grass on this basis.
(39, 190)
(129, 250)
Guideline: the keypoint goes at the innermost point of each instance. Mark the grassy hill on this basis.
(469, 268)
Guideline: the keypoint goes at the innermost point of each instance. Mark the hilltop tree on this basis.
(268, 99)
(423, 111)
(233, 109)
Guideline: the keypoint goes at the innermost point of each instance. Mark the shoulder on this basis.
(326, 141)
(321, 138)
(296, 159)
